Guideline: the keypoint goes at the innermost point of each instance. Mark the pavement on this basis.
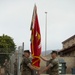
(59, 74)
(48, 74)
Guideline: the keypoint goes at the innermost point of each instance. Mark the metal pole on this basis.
(45, 33)
(23, 46)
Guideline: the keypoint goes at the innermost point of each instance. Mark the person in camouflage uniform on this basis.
(26, 64)
(15, 67)
(21, 65)
(53, 65)
(6, 67)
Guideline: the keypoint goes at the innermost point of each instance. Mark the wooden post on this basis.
(0, 70)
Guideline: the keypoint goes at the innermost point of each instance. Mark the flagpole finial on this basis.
(35, 7)
(35, 4)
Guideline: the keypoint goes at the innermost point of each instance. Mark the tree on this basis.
(7, 45)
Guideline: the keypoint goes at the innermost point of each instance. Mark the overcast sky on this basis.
(16, 15)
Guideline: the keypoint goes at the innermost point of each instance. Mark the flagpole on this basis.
(45, 32)
(22, 47)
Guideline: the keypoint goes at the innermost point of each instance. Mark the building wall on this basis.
(74, 40)
(70, 63)
(69, 43)
(70, 54)
(65, 45)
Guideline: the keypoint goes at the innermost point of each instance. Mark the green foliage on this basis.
(7, 45)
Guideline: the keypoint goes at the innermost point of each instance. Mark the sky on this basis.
(16, 15)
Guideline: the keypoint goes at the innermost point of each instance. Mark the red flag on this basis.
(35, 39)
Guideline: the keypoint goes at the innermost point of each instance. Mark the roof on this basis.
(72, 48)
(68, 39)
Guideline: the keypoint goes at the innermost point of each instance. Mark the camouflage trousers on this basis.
(15, 72)
(25, 73)
(54, 73)
(7, 72)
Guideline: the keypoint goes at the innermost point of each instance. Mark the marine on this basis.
(26, 64)
(15, 67)
(53, 65)
(6, 67)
